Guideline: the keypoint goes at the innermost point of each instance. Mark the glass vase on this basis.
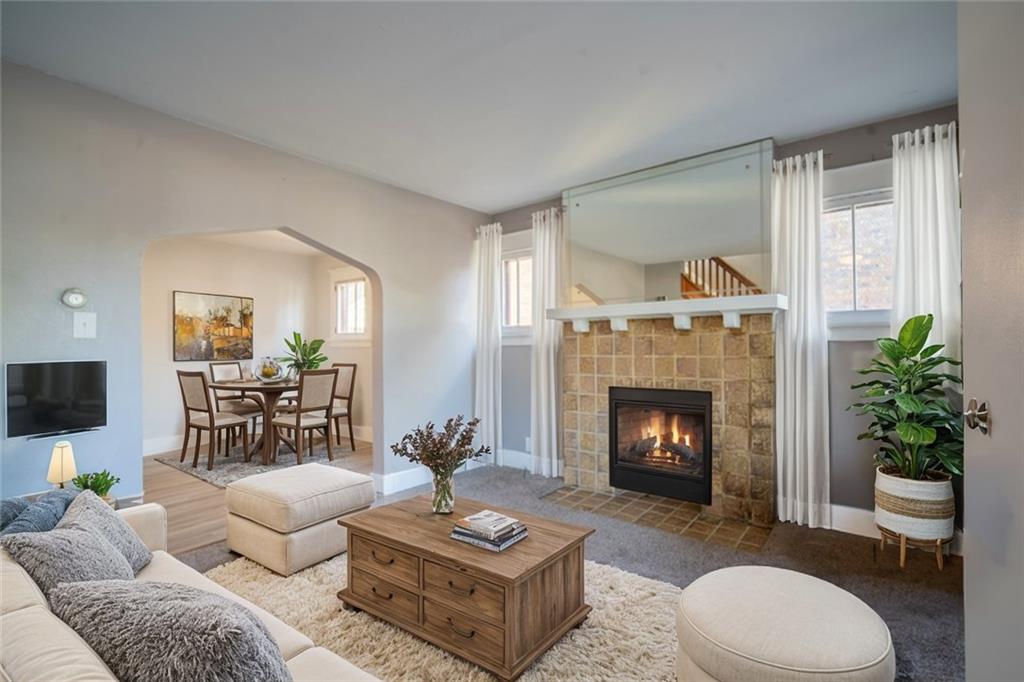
(444, 495)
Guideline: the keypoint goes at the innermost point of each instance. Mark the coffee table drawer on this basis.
(384, 561)
(463, 591)
(388, 597)
(464, 634)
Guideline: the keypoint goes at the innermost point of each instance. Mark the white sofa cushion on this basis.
(300, 496)
(17, 589)
(165, 568)
(319, 664)
(764, 623)
(38, 647)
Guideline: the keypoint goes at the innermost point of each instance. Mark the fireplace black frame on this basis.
(641, 479)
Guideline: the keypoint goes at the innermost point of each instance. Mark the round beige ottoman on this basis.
(763, 624)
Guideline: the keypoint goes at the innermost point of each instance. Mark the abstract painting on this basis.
(212, 327)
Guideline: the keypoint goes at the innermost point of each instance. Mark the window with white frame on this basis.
(858, 240)
(517, 291)
(350, 307)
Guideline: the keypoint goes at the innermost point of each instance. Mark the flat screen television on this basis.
(47, 398)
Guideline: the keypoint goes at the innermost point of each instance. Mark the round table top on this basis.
(255, 385)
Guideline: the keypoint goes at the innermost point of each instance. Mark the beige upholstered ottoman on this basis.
(760, 623)
(287, 519)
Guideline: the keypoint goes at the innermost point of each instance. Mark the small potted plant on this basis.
(303, 354)
(100, 483)
(442, 452)
(920, 434)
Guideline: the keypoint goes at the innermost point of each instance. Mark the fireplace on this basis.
(660, 442)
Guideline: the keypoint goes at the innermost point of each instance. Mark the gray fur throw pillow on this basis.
(89, 511)
(156, 632)
(66, 555)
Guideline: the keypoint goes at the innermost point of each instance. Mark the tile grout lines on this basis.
(673, 516)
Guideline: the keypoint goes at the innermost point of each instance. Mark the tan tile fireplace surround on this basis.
(736, 365)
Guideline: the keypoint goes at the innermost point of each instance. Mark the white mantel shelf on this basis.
(681, 312)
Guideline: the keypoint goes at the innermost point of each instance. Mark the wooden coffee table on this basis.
(500, 610)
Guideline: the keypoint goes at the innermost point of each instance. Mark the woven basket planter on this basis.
(921, 510)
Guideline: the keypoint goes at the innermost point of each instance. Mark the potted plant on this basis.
(920, 434)
(442, 452)
(303, 354)
(99, 482)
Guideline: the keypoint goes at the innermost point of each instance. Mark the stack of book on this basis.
(489, 530)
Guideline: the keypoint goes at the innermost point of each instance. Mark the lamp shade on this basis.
(62, 463)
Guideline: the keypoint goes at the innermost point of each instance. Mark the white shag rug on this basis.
(629, 635)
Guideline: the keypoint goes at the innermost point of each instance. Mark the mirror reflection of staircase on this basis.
(714, 277)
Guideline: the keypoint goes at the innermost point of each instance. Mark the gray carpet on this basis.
(922, 606)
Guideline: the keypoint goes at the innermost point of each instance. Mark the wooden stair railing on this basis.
(713, 277)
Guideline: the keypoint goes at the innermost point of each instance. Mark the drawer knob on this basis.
(458, 590)
(373, 553)
(460, 633)
(388, 596)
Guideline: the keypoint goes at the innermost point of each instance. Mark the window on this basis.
(858, 240)
(517, 291)
(350, 307)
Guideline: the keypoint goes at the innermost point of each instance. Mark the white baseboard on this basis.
(158, 445)
(410, 478)
(857, 521)
(517, 459)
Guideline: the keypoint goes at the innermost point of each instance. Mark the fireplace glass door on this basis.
(660, 442)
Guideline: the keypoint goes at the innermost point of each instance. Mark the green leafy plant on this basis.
(100, 482)
(303, 354)
(917, 428)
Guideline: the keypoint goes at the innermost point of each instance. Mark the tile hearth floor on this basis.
(674, 516)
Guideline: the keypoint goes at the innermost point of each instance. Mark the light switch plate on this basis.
(85, 326)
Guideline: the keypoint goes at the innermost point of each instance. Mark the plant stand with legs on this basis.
(903, 541)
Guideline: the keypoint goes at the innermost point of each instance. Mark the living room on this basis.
(649, 280)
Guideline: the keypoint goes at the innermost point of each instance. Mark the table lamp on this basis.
(62, 464)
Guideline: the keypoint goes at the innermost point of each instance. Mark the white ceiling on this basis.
(262, 240)
(496, 105)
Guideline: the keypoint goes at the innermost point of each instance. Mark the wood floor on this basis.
(196, 515)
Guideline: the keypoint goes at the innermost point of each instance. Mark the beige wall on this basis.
(326, 271)
(286, 290)
(89, 181)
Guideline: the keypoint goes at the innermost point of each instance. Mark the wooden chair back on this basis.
(195, 394)
(229, 370)
(316, 390)
(346, 381)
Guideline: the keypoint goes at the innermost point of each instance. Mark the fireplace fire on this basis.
(660, 442)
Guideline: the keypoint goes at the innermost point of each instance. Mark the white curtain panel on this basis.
(548, 283)
(487, 396)
(801, 344)
(926, 204)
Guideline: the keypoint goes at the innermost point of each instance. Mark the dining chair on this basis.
(343, 400)
(312, 412)
(201, 415)
(234, 402)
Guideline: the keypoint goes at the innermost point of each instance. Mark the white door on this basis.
(990, 40)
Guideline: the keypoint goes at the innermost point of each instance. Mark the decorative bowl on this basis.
(269, 371)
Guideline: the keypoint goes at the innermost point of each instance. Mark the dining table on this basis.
(271, 392)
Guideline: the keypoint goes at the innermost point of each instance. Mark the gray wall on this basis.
(519, 219)
(864, 143)
(515, 397)
(90, 180)
(851, 472)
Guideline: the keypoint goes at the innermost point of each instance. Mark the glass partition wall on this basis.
(694, 228)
